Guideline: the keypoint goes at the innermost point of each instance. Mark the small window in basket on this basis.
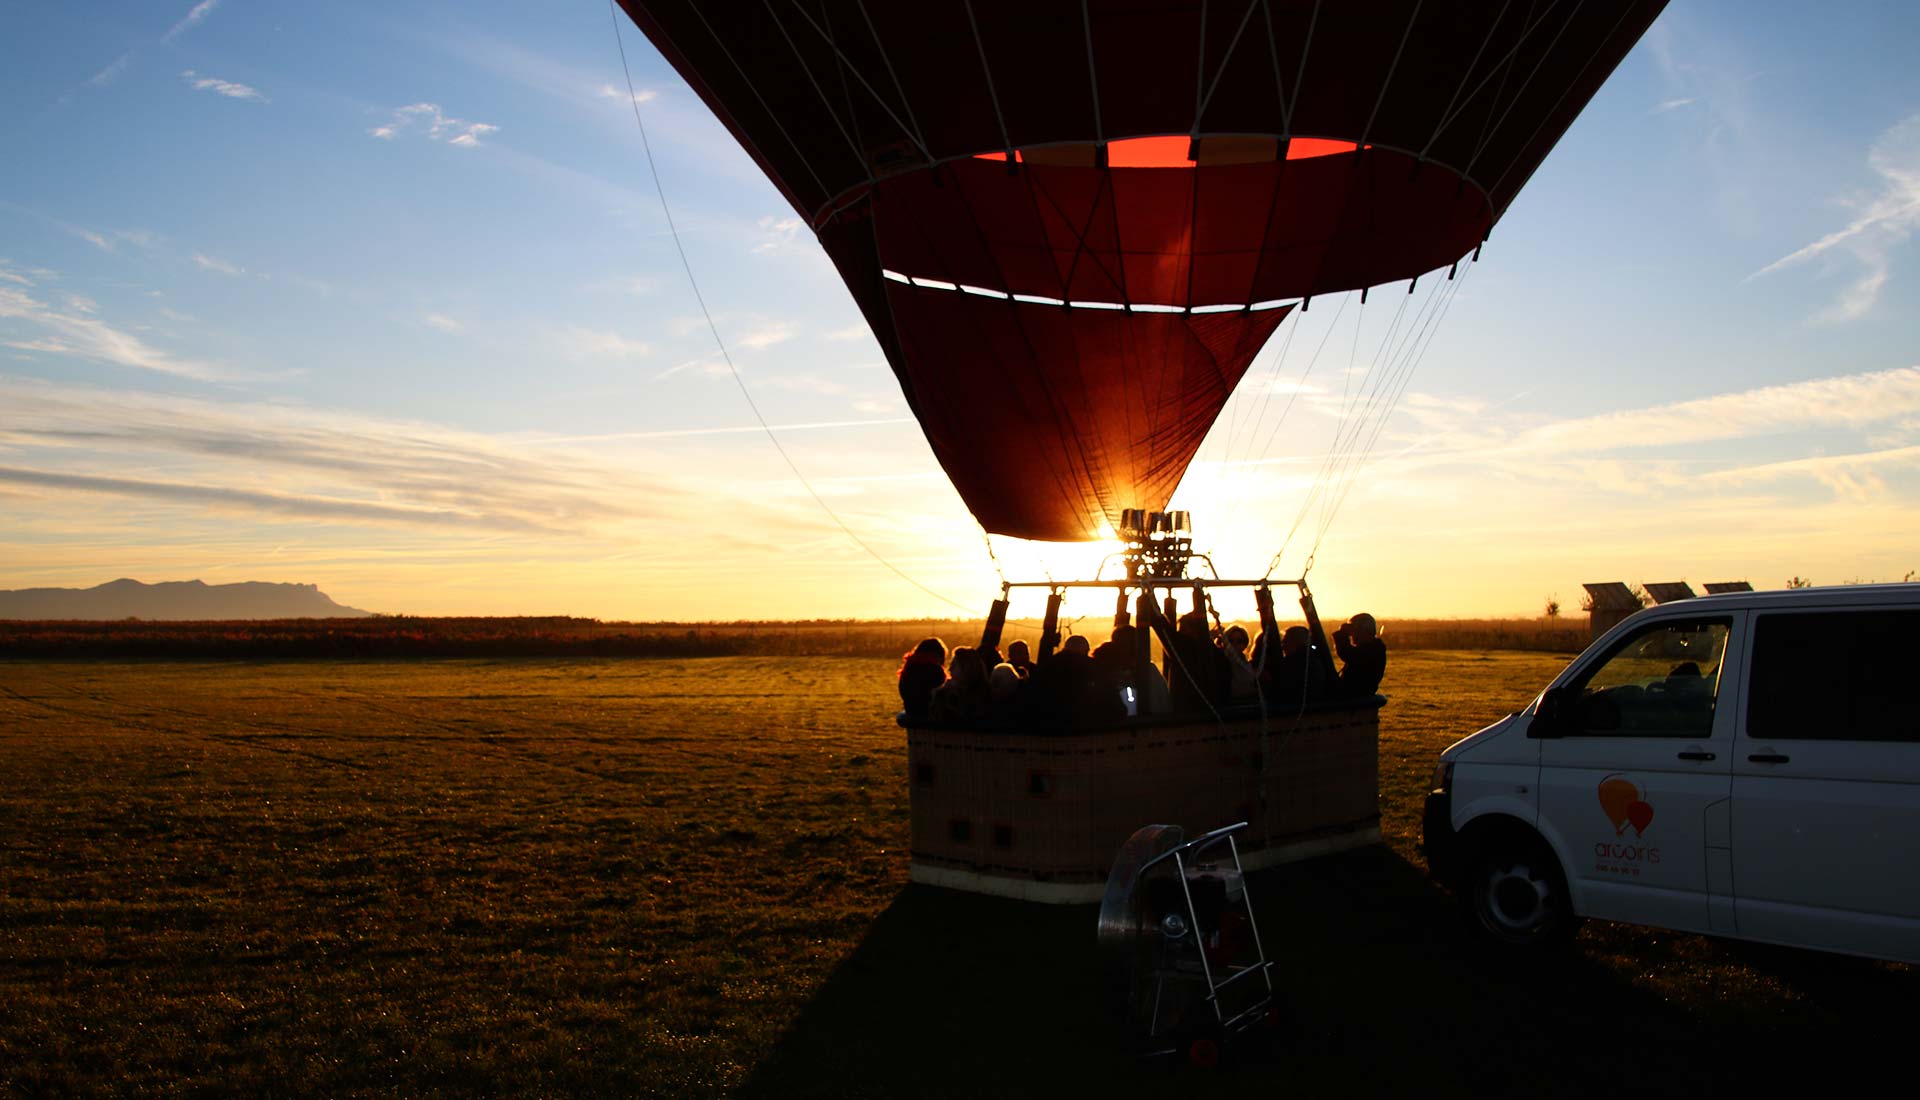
(1040, 784)
(923, 775)
(960, 830)
(1003, 836)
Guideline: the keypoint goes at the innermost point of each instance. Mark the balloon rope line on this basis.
(1372, 384)
(1242, 433)
(1339, 467)
(1396, 366)
(1266, 448)
(987, 537)
(687, 266)
(1430, 332)
(1313, 493)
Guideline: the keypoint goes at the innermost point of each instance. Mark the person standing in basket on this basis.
(1363, 656)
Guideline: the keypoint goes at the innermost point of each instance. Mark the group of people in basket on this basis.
(1202, 670)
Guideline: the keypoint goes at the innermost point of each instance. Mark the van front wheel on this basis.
(1517, 895)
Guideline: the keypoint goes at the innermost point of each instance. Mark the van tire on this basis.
(1515, 894)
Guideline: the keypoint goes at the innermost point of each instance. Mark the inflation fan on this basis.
(1186, 969)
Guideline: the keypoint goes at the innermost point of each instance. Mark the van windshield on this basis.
(1659, 682)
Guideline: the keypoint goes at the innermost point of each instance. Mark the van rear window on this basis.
(1835, 676)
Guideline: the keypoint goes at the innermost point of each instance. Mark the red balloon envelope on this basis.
(1059, 219)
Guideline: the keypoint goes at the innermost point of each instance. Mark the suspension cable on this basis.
(1422, 344)
(987, 537)
(1399, 355)
(1378, 379)
(679, 247)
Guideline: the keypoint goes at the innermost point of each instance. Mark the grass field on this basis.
(687, 877)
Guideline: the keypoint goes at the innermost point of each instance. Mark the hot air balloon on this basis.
(1071, 227)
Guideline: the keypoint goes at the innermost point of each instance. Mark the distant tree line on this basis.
(389, 637)
(409, 637)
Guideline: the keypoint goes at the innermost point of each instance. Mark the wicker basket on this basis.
(1040, 815)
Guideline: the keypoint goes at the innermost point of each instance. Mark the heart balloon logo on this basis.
(1641, 815)
(1621, 802)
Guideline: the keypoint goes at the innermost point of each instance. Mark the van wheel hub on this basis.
(1516, 900)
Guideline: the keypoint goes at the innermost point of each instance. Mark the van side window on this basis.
(1835, 676)
(1659, 682)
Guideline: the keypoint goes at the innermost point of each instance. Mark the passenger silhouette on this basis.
(965, 696)
(1007, 691)
(1119, 675)
(922, 670)
(1196, 670)
(1363, 656)
(1294, 675)
(1020, 657)
(1242, 681)
(1065, 685)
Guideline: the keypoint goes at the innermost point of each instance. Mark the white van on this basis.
(1743, 765)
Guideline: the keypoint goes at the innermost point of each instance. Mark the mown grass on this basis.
(687, 877)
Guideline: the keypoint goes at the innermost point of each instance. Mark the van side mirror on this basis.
(1551, 716)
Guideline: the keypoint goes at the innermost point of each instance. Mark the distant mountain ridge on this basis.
(176, 601)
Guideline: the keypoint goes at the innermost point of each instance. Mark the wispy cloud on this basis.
(742, 429)
(428, 120)
(1852, 401)
(706, 364)
(331, 466)
(215, 263)
(112, 70)
(194, 17)
(778, 233)
(78, 332)
(308, 506)
(1849, 476)
(765, 335)
(1720, 451)
(589, 343)
(1885, 220)
(644, 95)
(802, 383)
(851, 332)
(227, 88)
(1462, 447)
(1708, 83)
(442, 322)
(105, 240)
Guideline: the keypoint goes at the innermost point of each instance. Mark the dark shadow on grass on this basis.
(1862, 1007)
(951, 994)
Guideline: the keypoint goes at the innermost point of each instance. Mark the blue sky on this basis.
(381, 297)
